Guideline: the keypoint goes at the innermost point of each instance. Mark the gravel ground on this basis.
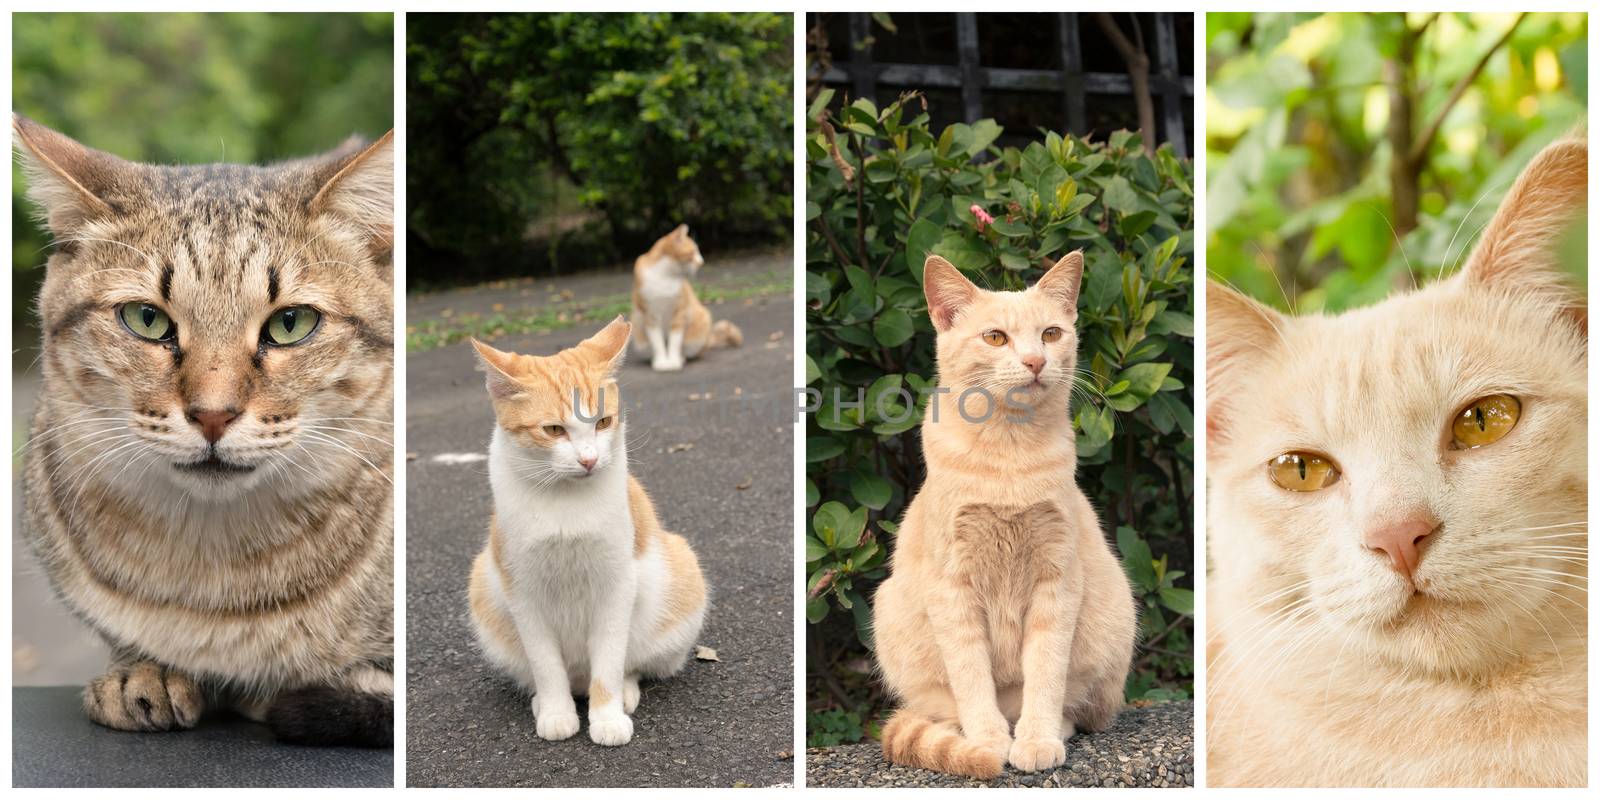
(713, 445)
(1145, 747)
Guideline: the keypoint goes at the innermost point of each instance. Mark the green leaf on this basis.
(822, 448)
(824, 97)
(1119, 196)
(919, 241)
(813, 372)
(965, 254)
(1179, 600)
(893, 327)
(870, 490)
(815, 550)
(1004, 228)
(1144, 379)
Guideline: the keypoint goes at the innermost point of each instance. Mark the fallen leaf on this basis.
(703, 653)
(411, 456)
(498, 307)
(694, 397)
(680, 447)
(775, 336)
(745, 484)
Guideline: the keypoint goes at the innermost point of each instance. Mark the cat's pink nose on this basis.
(588, 462)
(1034, 363)
(212, 423)
(1401, 541)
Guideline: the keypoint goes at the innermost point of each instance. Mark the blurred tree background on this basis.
(1350, 154)
(192, 88)
(544, 143)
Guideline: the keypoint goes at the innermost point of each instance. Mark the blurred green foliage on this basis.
(194, 88)
(1303, 204)
(883, 190)
(543, 142)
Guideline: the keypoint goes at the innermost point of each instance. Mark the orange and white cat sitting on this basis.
(579, 589)
(669, 322)
(1005, 605)
(1399, 522)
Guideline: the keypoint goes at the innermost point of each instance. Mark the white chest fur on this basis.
(661, 287)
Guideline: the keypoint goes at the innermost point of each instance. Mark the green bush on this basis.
(886, 193)
(645, 120)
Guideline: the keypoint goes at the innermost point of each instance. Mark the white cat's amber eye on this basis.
(605, 422)
(290, 325)
(555, 430)
(1303, 472)
(147, 322)
(996, 338)
(1485, 421)
(1052, 334)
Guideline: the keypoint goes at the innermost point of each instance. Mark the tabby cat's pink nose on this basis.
(1401, 541)
(212, 423)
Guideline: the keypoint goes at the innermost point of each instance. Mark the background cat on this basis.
(208, 483)
(669, 321)
(1399, 522)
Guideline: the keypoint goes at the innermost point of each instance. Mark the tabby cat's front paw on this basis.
(611, 730)
(1032, 755)
(144, 696)
(553, 725)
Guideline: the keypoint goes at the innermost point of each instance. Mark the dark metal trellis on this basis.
(1170, 89)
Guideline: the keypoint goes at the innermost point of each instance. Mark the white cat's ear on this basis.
(71, 184)
(948, 291)
(1518, 250)
(497, 366)
(1061, 282)
(1238, 331)
(359, 187)
(610, 346)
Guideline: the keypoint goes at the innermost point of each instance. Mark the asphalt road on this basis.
(713, 445)
(1145, 747)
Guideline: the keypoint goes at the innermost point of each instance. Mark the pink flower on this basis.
(984, 219)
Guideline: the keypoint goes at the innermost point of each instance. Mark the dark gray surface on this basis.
(721, 723)
(55, 745)
(1149, 747)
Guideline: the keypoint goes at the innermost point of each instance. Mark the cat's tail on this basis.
(726, 334)
(322, 716)
(913, 740)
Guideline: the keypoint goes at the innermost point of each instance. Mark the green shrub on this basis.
(893, 191)
(644, 120)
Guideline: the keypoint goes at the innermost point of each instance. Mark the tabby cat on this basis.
(208, 480)
(1005, 605)
(579, 589)
(1398, 513)
(669, 321)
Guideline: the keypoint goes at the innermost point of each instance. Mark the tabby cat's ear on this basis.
(681, 231)
(947, 290)
(609, 347)
(1518, 251)
(498, 366)
(359, 188)
(1238, 331)
(69, 183)
(1061, 282)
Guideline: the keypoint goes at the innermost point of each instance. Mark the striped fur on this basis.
(223, 573)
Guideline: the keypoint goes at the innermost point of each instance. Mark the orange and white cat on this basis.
(1399, 532)
(579, 589)
(1004, 606)
(670, 324)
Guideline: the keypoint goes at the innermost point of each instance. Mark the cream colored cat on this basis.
(1005, 605)
(1398, 527)
(579, 590)
(669, 322)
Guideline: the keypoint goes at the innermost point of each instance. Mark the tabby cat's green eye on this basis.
(291, 325)
(147, 322)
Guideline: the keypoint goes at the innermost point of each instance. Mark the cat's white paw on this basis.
(555, 725)
(666, 364)
(630, 693)
(1034, 754)
(611, 731)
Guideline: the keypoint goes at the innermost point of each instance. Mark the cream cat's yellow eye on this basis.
(555, 430)
(291, 325)
(605, 422)
(1052, 334)
(147, 322)
(1485, 421)
(1303, 472)
(995, 338)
